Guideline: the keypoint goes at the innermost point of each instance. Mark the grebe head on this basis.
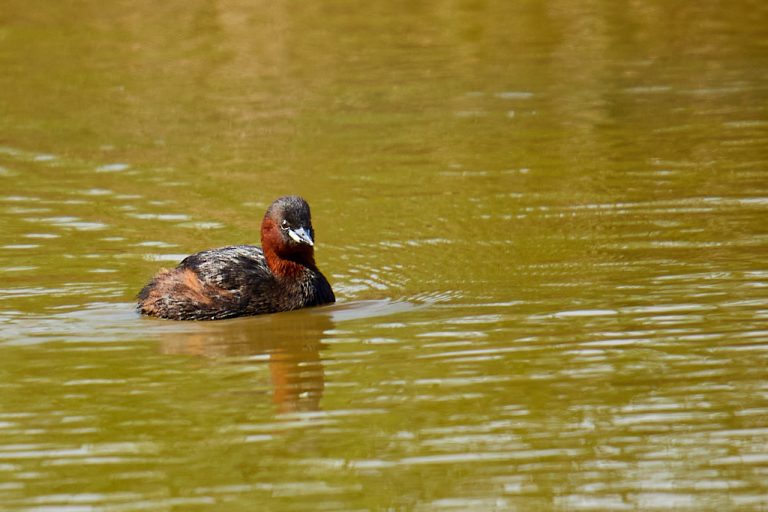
(286, 230)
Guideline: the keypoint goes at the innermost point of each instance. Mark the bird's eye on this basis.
(284, 224)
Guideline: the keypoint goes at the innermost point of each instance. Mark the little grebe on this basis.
(245, 280)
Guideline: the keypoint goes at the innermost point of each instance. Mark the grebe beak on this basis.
(300, 235)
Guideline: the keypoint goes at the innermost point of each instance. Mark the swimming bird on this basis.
(243, 280)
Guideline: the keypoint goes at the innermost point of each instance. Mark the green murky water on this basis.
(546, 223)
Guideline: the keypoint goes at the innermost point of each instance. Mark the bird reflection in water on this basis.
(291, 341)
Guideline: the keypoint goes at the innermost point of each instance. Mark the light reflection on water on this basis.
(656, 395)
(639, 410)
(545, 225)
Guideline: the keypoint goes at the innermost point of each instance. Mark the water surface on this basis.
(545, 224)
